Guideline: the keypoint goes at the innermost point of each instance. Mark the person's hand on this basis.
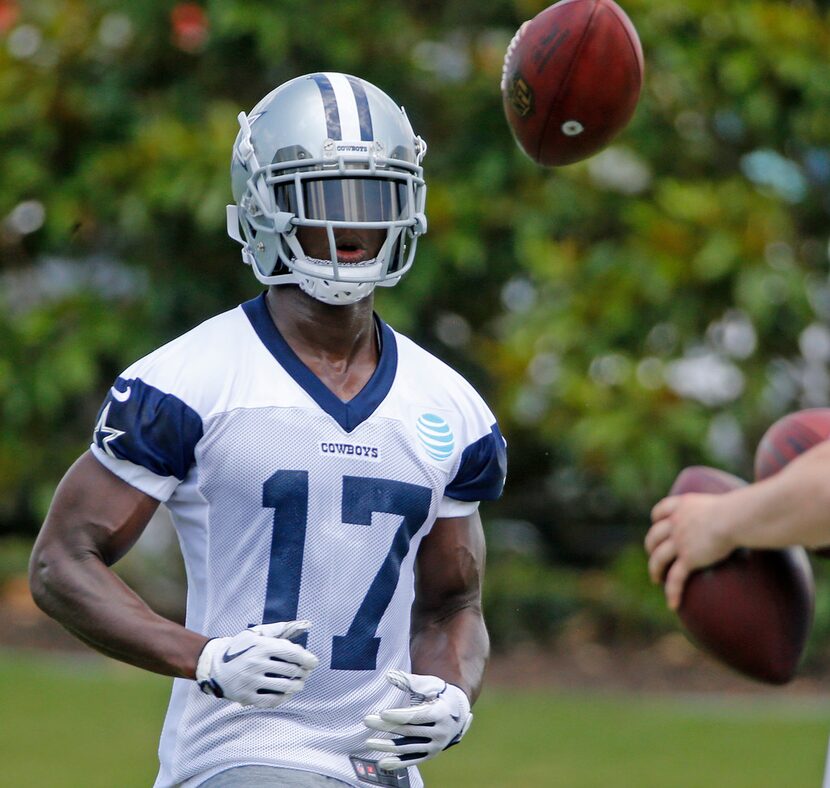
(689, 532)
(258, 667)
(438, 717)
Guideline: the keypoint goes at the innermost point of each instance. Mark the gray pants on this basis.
(269, 777)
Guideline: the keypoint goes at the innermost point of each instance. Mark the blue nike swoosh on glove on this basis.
(227, 656)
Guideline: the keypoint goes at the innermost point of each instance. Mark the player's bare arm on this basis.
(449, 638)
(695, 530)
(95, 518)
(449, 648)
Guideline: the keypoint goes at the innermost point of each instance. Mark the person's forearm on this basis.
(96, 606)
(454, 647)
(792, 507)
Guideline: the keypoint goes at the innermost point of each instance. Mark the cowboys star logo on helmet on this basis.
(327, 151)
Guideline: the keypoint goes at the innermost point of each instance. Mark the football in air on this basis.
(752, 611)
(788, 437)
(571, 80)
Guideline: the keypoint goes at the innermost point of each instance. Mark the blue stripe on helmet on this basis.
(330, 106)
(363, 113)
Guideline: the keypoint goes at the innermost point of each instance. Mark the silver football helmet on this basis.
(327, 151)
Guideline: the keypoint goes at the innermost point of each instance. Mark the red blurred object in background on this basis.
(9, 12)
(190, 27)
(788, 437)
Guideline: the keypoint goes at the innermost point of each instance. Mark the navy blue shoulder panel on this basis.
(482, 470)
(142, 424)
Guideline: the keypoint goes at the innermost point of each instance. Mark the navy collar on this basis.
(349, 414)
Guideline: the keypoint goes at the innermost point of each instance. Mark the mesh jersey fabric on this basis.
(289, 503)
(269, 777)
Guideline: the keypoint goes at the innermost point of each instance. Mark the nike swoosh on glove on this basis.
(438, 717)
(258, 667)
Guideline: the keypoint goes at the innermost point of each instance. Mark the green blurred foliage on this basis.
(529, 601)
(655, 306)
(14, 557)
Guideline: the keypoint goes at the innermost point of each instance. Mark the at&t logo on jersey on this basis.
(436, 436)
(332, 449)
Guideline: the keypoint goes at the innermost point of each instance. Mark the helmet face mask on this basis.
(327, 152)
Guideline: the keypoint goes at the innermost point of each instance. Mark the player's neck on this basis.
(315, 330)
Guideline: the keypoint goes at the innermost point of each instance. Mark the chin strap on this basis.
(336, 293)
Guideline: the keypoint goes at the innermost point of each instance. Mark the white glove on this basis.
(258, 667)
(438, 717)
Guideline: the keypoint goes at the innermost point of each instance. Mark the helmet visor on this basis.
(351, 200)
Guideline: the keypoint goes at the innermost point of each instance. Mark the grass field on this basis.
(94, 724)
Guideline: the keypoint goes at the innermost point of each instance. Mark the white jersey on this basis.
(290, 503)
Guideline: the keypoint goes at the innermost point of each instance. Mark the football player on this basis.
(322, 471)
